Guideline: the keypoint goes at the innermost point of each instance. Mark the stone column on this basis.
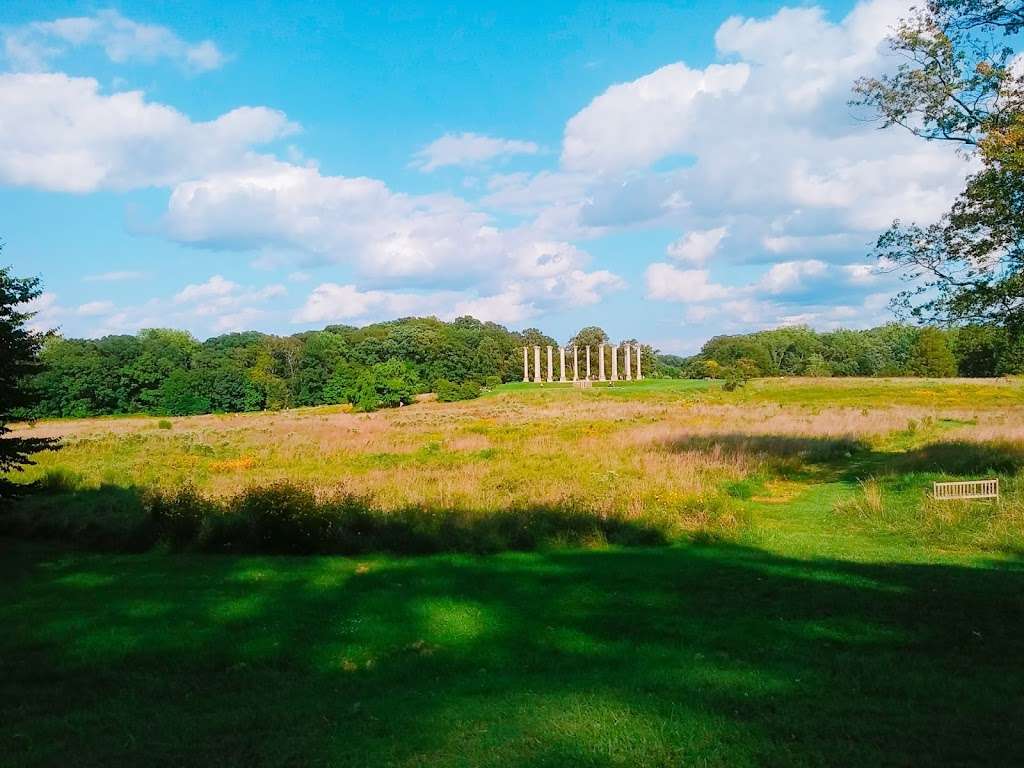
(600, 362)
(575, 363)
(550, 366)
(588, 362)
(536, 364)
(561, 363)
(629, 365)
(639, 371)
(615, 362)
(526, 365)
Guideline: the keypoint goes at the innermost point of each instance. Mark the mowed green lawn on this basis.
(812, 639)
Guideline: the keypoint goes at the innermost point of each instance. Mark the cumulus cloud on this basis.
(791, 276)
(95, 308)
(508, 307)
(331, 302)
(516, 301)
(46, 311)
(227, 305)
(60, 133)
(214, 287)
(468, 149)
(416, 240)
(355, 218)
(687, 285)
(698, 246)
(32, 47)
(633, 124)
(808, 291)
(772, 150)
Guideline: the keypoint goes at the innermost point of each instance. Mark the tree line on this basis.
(890, 350)
(164, 371)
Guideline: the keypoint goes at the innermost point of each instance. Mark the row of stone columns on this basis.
(627, 359)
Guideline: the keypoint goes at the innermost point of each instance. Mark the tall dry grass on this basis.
(673, 458)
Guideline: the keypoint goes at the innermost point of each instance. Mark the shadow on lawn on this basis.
(283, 518)
(854, 458)
(711, 655)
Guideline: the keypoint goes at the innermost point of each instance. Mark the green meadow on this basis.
(654, 574)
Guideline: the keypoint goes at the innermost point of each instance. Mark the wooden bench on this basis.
(966, 489)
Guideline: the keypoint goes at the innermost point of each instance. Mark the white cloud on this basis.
(357, 220)
(212, 288)
(517, 300)
(698, 246)
(861, 274)
(817, 243)
(424, 240)
(46, 311)
(31, 47)
(227, 305)
(585, 288)
(60, 133)
(633, 124)
(507, 308)
(243, 320)
(331, 302)
(688, 285)
(94, 308)
(769, 137)
(468, 149)
(789, 276)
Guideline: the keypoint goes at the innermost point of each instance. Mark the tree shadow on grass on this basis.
(288, 519)
(711, 655)
(848, 459)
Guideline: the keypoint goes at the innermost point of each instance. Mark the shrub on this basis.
(469, 390)
(283, 518)
(292, 519)
(492, 381)
(178, 517)
(164, 424)
(447, 392)
(734, 379)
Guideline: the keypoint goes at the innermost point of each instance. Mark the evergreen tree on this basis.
(19, 359)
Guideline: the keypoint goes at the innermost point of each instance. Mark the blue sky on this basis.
(668, 171)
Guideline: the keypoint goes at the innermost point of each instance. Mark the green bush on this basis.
(469, 390)
(492, 381)
(178, 517)
(447, 392)
(164, 424)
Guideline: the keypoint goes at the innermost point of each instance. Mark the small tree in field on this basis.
(19, 359)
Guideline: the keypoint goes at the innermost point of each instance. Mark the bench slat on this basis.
(967, 489)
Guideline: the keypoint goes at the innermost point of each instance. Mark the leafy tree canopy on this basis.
(958, 82)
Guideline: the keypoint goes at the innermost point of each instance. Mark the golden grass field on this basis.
(687, 454)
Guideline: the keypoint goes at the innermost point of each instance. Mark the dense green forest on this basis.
(170, 372)
(890, 350)
(386, 364)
